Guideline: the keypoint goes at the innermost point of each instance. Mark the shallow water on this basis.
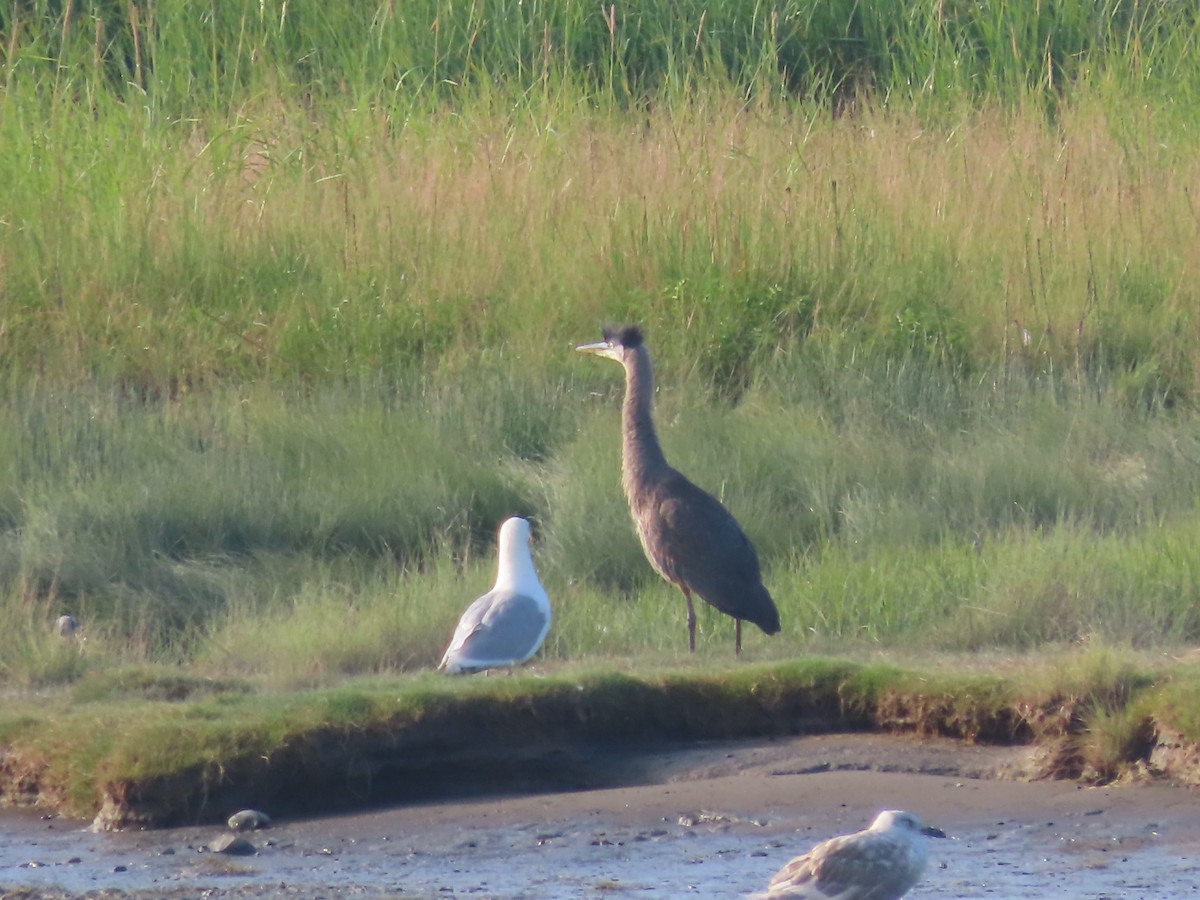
(709, 835)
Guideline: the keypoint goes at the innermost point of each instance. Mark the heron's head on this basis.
(619, 341)
(906, 821)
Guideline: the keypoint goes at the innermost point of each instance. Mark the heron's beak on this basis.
(601, 348)
(930, 831)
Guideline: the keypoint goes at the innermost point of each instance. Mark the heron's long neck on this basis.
(641, 457)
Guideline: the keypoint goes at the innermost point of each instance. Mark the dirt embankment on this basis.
(356, 775)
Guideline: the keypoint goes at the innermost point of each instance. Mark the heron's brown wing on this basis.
(696, 542)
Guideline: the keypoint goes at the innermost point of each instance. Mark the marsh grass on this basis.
(348, 617)
(1000, 240)
(300, 538)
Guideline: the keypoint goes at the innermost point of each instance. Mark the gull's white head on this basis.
(514, 533)
(896, 818)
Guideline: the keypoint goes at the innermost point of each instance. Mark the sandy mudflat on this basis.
(716, 821)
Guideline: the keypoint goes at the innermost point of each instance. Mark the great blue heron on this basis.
(689, 537)
(507, 625)
(882, 862)
(66, 626)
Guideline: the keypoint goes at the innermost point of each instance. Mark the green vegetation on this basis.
(288, 297)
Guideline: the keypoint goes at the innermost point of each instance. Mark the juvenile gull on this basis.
(507, 625)
(882, 862)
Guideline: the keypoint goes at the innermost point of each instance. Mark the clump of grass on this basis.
(154, 517)
(1173, 701)
(1093, 709)
(438, 49)
(173, 760)
(1114, 740)
(977, 708)
(171, 530)
(754, 231)
(591, 532)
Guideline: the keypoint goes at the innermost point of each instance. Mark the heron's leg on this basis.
(737, 645)
(691, 620)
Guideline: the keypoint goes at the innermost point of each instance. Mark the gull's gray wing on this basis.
(500, 628)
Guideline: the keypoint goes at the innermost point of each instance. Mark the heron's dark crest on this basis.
(629, 336)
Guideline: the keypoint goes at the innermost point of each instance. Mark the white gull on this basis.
(507, 625)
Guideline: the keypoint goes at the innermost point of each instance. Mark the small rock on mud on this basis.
(249, 820)
(232, 845)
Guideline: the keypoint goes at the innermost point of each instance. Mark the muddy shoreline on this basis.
(709, 818)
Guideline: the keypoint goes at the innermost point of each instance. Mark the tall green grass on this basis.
(1057, 252)
(181, 58)
(288, 297)
(259, 191)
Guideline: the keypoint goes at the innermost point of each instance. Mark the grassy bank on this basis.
(162, 749)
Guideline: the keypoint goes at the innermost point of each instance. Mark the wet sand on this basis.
(716, 821)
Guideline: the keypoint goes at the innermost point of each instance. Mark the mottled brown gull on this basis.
(882, 862)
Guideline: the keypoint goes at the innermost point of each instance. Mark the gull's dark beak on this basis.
(930, 831)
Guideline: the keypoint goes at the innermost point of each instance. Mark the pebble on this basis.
(232, 845)
(249, 820)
